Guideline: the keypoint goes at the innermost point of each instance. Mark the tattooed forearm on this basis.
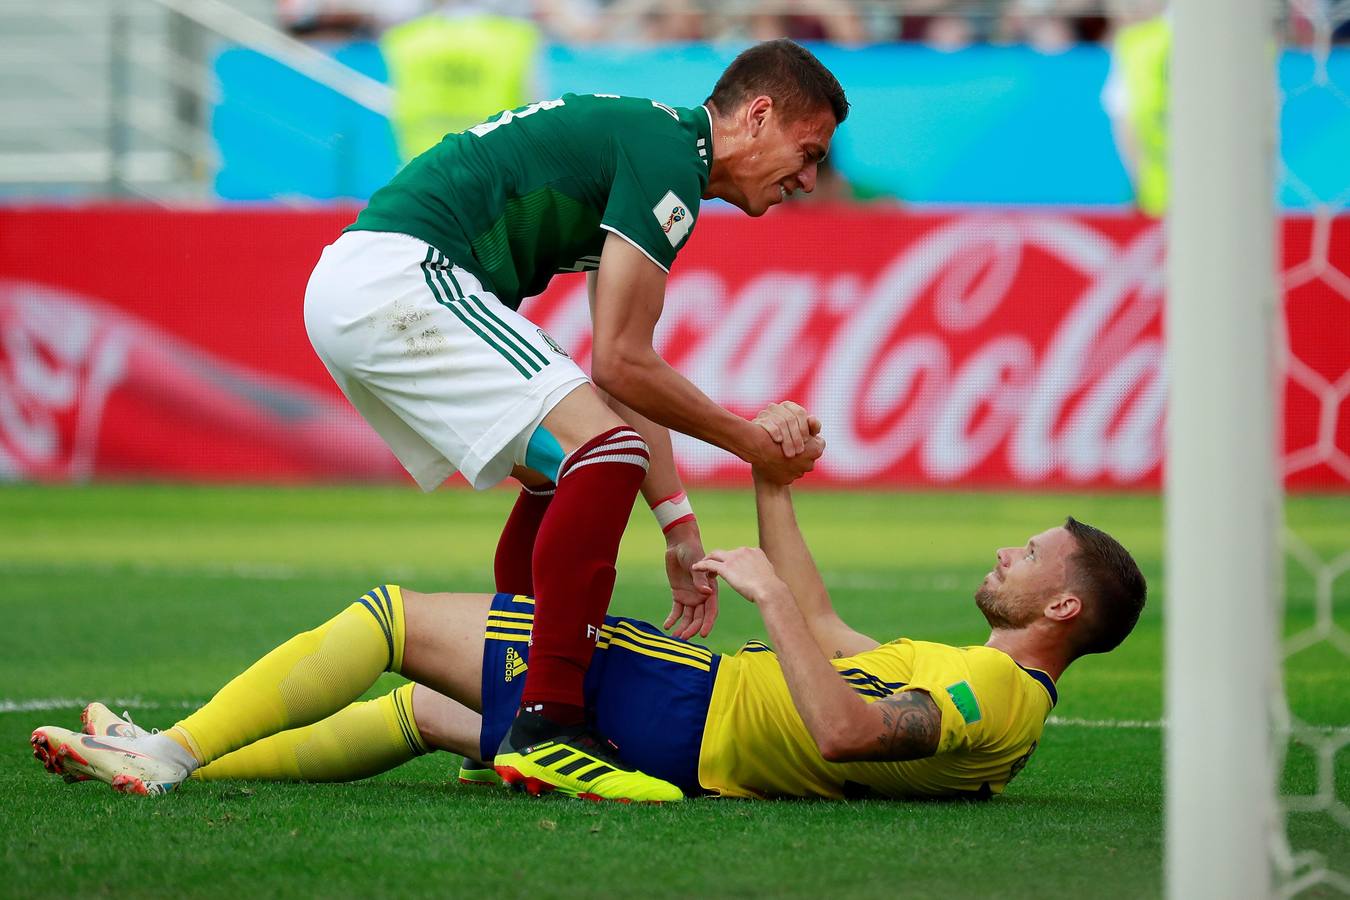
(911, 725)
(839, 654)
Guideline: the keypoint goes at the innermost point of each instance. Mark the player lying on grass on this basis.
(828, 713)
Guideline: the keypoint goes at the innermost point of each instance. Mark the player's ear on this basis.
(757, 113)
(1064, 608)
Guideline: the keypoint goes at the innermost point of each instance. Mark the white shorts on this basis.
(449, 376)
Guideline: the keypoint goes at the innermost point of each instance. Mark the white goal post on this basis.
(1223, 501)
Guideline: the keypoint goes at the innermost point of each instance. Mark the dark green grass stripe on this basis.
(515, 342)
(450, 305)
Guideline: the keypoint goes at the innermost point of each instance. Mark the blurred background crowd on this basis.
(1010, 102)
(1048, 25)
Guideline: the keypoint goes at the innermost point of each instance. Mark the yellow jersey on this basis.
(755, 743)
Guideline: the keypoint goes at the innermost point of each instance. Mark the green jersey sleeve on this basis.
(653, 202)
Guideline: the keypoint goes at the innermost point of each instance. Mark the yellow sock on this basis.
(361, 740)
(308, 678)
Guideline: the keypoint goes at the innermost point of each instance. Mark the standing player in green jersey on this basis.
(414, 312)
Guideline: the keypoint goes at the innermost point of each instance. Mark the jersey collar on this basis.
(1045, 681)
(705, 141)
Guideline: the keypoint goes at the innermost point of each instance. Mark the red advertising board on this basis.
(991, 349)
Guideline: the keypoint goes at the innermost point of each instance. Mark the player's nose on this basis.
(807, 177)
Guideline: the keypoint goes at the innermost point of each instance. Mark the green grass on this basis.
(158, 594)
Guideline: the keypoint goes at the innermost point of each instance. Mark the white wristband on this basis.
(672, 511)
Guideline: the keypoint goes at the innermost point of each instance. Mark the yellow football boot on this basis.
(578, 763)
(474, 771)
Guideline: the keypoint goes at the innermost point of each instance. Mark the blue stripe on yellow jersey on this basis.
(756, 744)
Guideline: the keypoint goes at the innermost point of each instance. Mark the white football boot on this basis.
(97, 719)
(148, 763)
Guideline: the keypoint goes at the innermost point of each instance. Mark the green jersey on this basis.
(535, 190)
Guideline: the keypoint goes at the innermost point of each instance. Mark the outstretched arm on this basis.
(780, 537)
(844, 726)
(629, 297)
(694, 595)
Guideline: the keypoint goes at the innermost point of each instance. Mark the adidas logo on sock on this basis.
(515, 664)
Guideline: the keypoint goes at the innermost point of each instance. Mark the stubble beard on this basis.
(998, 612)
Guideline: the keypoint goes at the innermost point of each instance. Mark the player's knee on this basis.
(627, 438)
(621, 445)
(434, 717)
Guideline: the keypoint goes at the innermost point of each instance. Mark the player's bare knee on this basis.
(580, 417)
(428, 715)
(417, 611)
(443, 643)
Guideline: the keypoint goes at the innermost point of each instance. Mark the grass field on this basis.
(153, 596)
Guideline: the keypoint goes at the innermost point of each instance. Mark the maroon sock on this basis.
(512, 567)
(574, 556)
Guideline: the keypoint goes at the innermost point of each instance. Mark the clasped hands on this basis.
(797, 445)
(796, 435)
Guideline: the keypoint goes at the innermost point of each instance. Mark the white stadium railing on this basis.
(111, 97)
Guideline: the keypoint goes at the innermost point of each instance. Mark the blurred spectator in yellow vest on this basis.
(456, 66)
(1135, 97)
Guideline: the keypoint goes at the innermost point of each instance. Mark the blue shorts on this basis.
(646, 691)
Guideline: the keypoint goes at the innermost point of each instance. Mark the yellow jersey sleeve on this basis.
(756, 744)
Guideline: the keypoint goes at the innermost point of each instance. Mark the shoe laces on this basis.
(136, 730)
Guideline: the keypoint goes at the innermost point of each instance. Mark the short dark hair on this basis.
(785, 71)
(1109, 583)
